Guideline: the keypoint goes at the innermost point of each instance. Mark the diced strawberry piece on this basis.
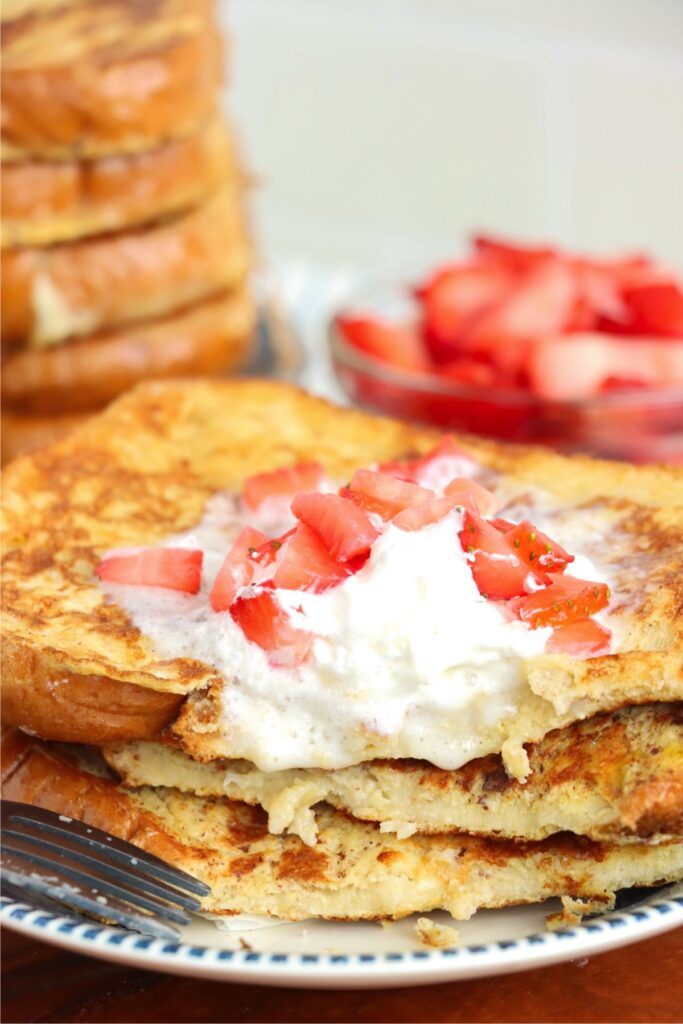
(564, 368)
(633, 268)
(585, 638)
(424, 515)
(498, 572)
(578, 366)
(451, 298)
(343, 528)
(346, 492)
(265, 623)
(541, 304)
(623, 384)
(447, 457)
(305, 564)
(599, 293)
(281, 484)
(565, 600)
(537, 549)
(656, 308)
(472, 496)
(474, 373)
(498, 577)
(237, 569)
(435, 469)
(582, 316)
(171, 568)
(384, 494)
(357, 563)
(267, 552)
(516, 258)
(404, 470)
(502, 525)
(395, 344)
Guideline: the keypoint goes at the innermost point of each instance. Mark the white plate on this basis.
(321, 955)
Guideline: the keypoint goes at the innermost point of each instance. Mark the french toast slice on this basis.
(20, 435)
(212, 336)
(612, 777)
(51, 293)
(89, 79)
(43, 202)
(146, 467)
(354, 871)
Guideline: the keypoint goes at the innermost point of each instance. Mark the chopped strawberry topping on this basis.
(564, 601)
(425, 514)
(585, 638)
(445, 461)
(537, 549)
(305, 564)
(267, 552)
(472, 496)
(237, 569)
(357, 563)
(343, 528)
(265, 623)
(503, 525)
(498, 572)
(171, 568)
(384, 494)
(281, 484)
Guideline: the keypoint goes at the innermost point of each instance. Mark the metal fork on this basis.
(60, 864)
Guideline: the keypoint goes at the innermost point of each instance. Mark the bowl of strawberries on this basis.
(529, 344)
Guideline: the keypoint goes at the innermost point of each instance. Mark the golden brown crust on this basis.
(21, 435)
(89, 79)
(83, 375)
(146, 467)
(354, 871)
(82, 287)
(12, 9)
(632, 760)
(44, 203)
(36, 774)
(58, 701)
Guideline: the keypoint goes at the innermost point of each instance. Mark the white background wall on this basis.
(383, 131)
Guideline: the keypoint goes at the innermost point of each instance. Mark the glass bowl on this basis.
(640, 425)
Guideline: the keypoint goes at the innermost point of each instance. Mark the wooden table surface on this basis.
(643, 982)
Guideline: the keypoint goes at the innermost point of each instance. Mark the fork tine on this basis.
(38, 900)
(138, 880)
(81, 877)
(116, 849)
(76, 904)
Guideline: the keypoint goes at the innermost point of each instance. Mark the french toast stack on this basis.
(125, 251)
(584, 797)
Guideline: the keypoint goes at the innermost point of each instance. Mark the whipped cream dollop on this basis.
(409, 659)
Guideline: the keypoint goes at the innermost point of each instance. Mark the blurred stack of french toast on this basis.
(125, 251)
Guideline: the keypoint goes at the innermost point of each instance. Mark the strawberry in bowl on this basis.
(529, 344)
